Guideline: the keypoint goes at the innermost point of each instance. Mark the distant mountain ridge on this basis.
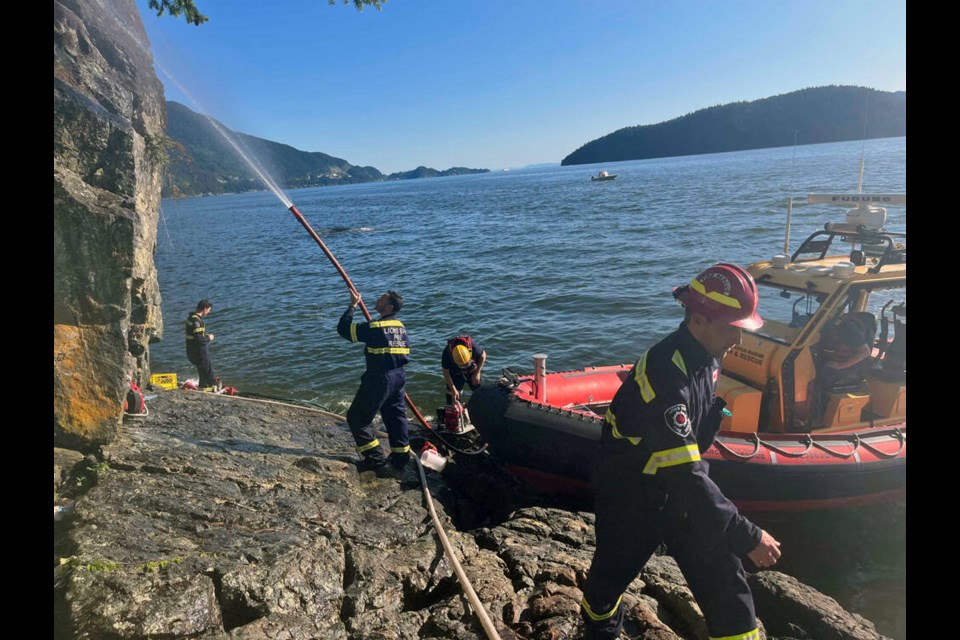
(426, 172)
(820, 114)
(202, 162)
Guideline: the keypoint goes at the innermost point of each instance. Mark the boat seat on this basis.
(853, 386)
(888, 381)
(888, 398)
(844, 409)
(837, 405)
(893, 354)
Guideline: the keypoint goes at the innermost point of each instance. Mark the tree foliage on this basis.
(188, 8)
(359, 4)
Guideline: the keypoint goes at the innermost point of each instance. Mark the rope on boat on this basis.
(756, 448)
(806, 440)
(810, 443)
(472, 597)
(899, 435)
(856, 447)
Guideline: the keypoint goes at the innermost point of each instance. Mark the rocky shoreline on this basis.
(219, 517)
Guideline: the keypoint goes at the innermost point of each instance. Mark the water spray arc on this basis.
(244, 155)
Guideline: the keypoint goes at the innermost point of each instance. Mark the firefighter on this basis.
(198, 341)
(382, 385)
(652, 486)
(462, 362)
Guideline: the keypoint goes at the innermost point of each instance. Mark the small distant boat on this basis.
(603, 175)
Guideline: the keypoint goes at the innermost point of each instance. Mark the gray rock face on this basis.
(222, 517)
(795, 610)
(108, 132)
(64, 462)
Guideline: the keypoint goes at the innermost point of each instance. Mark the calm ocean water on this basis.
(526, 261)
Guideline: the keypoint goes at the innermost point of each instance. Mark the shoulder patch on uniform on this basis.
(677, 420)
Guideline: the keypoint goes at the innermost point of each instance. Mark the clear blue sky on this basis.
(506, 83)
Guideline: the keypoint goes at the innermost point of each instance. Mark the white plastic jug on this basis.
(433, 460)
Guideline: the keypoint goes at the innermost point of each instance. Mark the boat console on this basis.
(773, 372)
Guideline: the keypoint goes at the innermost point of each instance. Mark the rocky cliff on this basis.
(108, 126)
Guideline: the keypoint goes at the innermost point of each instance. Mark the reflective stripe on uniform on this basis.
(353, 332)
(716, 296)
(671, 457)
(378, 351)
(641, 378)
(405, 449)
(376, 324)
(596, 617)
(677, 359)
(370, 445)
(749, 635)
(611, 419)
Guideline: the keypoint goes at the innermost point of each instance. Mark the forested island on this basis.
(816, 115)
(201, 161)
(427, 172)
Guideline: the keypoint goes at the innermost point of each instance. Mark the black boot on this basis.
(399, 460)
(371, 463)
(607, 628)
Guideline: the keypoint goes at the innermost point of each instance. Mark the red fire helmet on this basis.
(723, 292)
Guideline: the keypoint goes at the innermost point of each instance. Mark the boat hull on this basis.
(556, 450)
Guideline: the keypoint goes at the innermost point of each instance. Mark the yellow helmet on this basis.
(462, 355)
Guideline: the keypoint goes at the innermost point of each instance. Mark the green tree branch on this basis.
(188, 8)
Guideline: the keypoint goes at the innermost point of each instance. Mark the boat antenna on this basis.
(863, 141)
(860, 175)
(786, 237)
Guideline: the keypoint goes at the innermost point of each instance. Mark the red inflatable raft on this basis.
(554, 443)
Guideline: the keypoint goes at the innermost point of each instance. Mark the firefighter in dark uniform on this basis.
(198, 341)
(462, 363)
(652, 487)
(382, 385)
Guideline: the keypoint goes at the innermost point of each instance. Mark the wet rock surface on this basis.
(219, 517)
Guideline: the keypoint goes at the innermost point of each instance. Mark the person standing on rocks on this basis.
(198, 341)
(382, 385)
(652, 487)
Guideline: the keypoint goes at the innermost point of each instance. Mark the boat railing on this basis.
(874, 243)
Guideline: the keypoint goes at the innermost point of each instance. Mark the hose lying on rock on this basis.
(472, 597)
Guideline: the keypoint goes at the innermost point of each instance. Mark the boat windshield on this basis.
(785, 307)
(786, 311)
(881, 301)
